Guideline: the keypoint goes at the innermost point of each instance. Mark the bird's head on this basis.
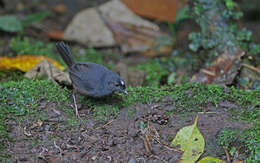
(117, 84)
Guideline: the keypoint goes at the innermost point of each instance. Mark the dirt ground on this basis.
(120, 139)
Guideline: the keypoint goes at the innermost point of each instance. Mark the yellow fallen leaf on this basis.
(25, 62)
(210, 159)
(191, 142)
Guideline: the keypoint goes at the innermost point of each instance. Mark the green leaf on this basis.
(210, 159)
(33, 18)
(171, 78)
(10, 24)
(191, 143)
(230, 4)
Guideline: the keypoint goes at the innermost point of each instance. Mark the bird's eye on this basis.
(122, 82)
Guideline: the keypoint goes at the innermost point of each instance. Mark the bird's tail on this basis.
(65, 53)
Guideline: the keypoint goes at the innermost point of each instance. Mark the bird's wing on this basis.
(87, 77)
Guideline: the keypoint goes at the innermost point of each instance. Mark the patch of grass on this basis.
(246, 142)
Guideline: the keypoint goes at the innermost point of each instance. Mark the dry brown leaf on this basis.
(164, 10)
(223, 70)
(58, 35)
(60, 8)
(46, 70)
(25, 62)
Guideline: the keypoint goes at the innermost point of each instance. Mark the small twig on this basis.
(155, 106)
(72, 146)
(56, 146)
(207, 112)
(210, 73)
(251, 67)
(108, 123)
(51, 71)
(147, 144)
(227, 154)
(26, 133)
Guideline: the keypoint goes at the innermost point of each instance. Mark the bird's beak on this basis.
(125, 92)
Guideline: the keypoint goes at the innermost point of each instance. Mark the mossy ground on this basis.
(20, 99)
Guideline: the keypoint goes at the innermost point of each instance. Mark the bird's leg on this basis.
(75, 105)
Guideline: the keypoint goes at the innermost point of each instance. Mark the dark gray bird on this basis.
(90, 79)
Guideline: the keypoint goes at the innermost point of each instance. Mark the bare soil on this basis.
(120, 139)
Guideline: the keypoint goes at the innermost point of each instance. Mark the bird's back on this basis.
(89, 78)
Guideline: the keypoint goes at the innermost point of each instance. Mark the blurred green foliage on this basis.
(33, 47)
(219, 27)
(10, 24)
(34, 18)
(154, 72)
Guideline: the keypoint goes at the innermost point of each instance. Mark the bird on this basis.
(90, 79)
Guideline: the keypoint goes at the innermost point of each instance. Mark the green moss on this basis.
(227, 137)
(185, 98)
(246, 142)
(7, 75)
(19, 99)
